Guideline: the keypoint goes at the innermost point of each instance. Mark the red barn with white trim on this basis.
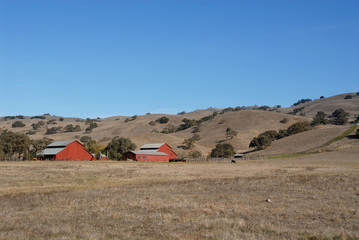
(157, 152)
(66, 150)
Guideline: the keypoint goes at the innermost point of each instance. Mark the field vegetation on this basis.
(310, 197)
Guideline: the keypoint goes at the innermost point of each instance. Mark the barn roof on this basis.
(152, 145)
(51, 151)
(149, 152)
(59, 144)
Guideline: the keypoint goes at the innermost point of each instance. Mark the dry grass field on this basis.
(312, 197)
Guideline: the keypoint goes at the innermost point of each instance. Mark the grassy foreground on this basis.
(312, 197)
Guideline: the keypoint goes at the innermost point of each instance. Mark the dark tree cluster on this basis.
(223, 150)
(265, 139)
(92, 124)
(340, 117)
(17, 146)
(118, 146)
(18, 124)
(163, 120)
(302, 101)
(320, 118)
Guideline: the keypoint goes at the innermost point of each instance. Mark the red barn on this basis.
(66, 150)
(158, 152)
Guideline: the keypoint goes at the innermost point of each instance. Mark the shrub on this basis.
(298, 128)
(260, 142)
(340, 116)
(230, 133)
(348, 97)
(53, 130)
(320, 118)
(169, 129)
(321, 97)
(181, 113)
(30, 132)
(61, 119)
(38, 117)
(357, 133)
(188, 143)
(39, 124)
(152, 123)
(85, 139)
(223, 150)
(284, 120)
(195, 154)
(163, 120)
(18, 124)
(302, 101)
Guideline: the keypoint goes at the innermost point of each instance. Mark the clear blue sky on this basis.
(89, 58)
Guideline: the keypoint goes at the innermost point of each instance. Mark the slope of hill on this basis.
(248, 124)
(329, 105)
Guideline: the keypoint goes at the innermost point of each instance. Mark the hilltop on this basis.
(248, 123)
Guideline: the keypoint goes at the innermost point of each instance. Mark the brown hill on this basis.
(248, 124)
(329, 105)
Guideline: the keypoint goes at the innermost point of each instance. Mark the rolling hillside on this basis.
(248, 124)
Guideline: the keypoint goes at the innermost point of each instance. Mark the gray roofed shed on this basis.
(150, 152)
(51, 151)
(152, 146)
(59, 144)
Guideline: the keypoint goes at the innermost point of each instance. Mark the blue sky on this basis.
(89, 58)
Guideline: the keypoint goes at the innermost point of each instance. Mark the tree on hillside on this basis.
(118, 146)
(230, 133)
(340, 116)
(320, 118)
(18, 124)
(357, 133)
(163, 120)
(188, 143)
(260, 142)
(223, 150)
(298, 128)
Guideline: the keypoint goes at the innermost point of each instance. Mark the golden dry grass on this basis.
(312, 197)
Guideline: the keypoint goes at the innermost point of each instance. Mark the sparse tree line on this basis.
(92, 123)
(263, 140)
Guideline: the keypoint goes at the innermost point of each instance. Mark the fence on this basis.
(223, 160)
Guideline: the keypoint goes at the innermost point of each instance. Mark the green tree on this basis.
(18, 124)
(223, 150)
(340, 116)
(230, 133)
(92, 146)
(37, 145)
(357, 133)
(118, 146)
(261, 142)
(320, 118)
(14, 145)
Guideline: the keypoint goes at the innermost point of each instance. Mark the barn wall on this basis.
(74, 151)
(152, 158)
(129, 155)
(167, 149)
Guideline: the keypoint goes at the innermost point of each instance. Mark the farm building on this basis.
(65, 150)
(158, 152)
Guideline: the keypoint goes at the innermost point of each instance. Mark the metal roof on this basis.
(59, 144)
(51, 151)
(149, 152)
(152, 145)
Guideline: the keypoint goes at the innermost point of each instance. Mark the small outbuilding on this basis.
(157, 152)
(65, 150)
